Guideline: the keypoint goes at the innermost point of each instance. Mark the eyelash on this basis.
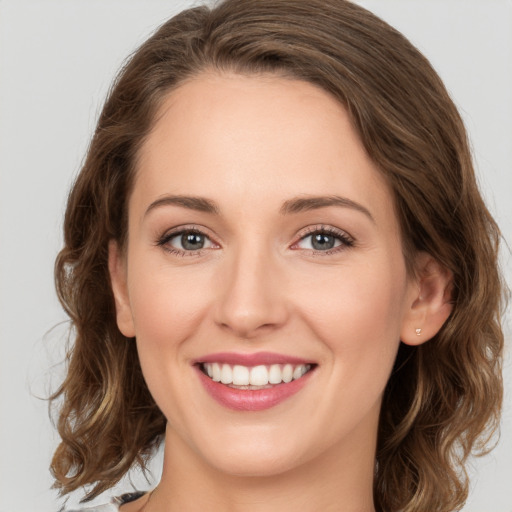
(164, 240)
(346, 240)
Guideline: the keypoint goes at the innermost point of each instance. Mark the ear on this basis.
(117, 270)
(429, 302)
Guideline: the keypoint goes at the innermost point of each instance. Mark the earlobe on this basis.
(117, 270)
(429, 303)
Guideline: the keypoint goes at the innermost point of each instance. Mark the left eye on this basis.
(321, 241)
(190, 241)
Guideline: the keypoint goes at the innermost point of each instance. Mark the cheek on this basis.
(367, 300)
(167, 308)
(166, 305)
(358, 321)
(358, 316)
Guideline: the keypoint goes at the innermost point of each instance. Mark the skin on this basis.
(250, 144)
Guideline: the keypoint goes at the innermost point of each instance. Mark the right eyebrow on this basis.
(199, 204)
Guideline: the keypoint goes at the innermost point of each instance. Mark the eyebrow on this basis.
(199, 204)
(304, 204)
(291, 206)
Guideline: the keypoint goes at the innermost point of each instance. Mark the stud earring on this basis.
(418, 332)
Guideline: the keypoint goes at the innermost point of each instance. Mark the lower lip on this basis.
(251, 399)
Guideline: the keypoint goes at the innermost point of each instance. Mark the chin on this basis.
(253, 455)
(255, 465)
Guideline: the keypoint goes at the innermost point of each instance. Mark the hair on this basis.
(443, 399)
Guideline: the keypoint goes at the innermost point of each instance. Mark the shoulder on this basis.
(113, 505)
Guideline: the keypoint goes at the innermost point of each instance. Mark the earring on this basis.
(418, 332)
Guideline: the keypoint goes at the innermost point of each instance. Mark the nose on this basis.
(252, 299)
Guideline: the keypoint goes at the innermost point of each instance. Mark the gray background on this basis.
(57, 59)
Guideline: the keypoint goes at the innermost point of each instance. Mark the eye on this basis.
(324, 239)
(189, 241)
(185, 242)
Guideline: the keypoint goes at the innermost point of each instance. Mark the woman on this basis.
(277, 258)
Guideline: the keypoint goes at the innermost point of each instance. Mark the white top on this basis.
(108, 507)
(114, 504)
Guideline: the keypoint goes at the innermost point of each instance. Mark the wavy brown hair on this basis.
(443, 399)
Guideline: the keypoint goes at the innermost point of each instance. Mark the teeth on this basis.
(215, 368)
(226, 374)
(261, 375)
(258, 376)
(287, 373)
(275, 376)
(240, 375)
(297, 373)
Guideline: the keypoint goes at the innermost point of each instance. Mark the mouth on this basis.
(254, 377)
(253, 382)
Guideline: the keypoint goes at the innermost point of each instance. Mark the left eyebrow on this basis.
(304, 204)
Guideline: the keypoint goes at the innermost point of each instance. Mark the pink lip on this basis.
(250, 399)
(255, 359)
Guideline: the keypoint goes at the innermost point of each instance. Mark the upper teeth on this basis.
(261, 375)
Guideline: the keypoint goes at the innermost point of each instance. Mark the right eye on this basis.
(185, 242)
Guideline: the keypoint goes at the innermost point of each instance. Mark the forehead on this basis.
(256, 138)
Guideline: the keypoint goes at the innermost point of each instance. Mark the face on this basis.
(264, 250)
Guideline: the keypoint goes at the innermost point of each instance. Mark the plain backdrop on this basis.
(57, 59)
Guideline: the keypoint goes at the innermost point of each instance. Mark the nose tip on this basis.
(252, 301)
(246, 326)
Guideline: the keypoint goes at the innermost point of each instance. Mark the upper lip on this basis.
(255, 359)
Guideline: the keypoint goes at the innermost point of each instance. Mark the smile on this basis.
(253, 382)
(255, 377)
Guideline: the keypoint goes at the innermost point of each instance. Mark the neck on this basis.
(340, 479)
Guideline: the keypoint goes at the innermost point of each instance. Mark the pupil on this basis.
(192, 241)
(322, 242)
